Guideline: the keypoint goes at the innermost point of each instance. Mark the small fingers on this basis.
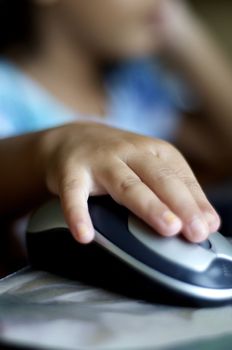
(186, 175)
(74, 193)
(128, 189)
(165, 194)
(208, 212)
(185, 200)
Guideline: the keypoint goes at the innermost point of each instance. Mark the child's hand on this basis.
(147, 175)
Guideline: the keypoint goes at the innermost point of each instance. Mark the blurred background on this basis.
(217, 15)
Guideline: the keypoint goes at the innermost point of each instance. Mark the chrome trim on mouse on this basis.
(179, 286)
(183, 253)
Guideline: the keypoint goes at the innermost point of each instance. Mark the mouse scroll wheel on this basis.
(205, 244)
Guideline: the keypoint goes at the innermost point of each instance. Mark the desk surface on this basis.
(46, 311)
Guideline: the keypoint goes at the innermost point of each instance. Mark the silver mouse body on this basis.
(129, 257)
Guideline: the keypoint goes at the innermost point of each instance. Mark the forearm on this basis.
(22, 182)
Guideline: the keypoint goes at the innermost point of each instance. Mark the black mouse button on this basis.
(221, 246)
(205, 244)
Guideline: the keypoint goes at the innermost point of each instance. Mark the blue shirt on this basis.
(141, 98)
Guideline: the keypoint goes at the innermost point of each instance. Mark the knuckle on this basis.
(192, 184)
(188, 180)
(128, 184)
(164, 174)
(165, 150)
(74, 187)
(70, 185)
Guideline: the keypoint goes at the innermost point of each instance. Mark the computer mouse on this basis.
(127, 256)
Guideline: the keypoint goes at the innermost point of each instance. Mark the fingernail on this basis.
(84, 233)
(198, 230)
(172, 223)
(211, 220)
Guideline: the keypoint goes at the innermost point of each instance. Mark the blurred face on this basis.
(110, 28)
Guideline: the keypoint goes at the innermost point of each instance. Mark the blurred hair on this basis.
(16, 23)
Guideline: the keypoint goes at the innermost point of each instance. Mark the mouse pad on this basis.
(44, 311)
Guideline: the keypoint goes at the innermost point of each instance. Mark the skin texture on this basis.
(147, 175)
